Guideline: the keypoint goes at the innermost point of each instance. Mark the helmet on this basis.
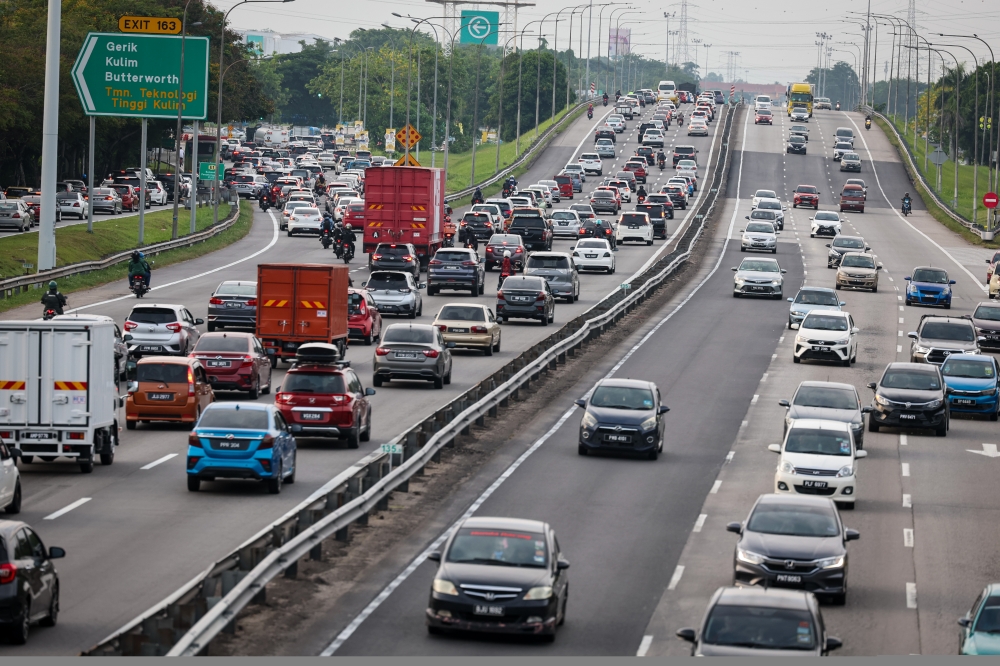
(506, 254)
(907, 195)
(348, 225)
(52, 284)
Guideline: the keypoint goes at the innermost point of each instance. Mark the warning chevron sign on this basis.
(407, 160)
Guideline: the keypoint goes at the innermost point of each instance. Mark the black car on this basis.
(677, 194)
(622, 415)
(233, 303)
(604, 200)
(793, 541)
(396, 257)
(29, 582)
(524, 297)
(684, 153)
(657, 216)
(456, 268)
(760, 622)
(597, 228)
(796, 144)
(828, 401)
(647, 152)
(986, 319)
(910, 395)
(606, 134)
(535, 231)
(664, 200)
(480, 223)
(499, 575)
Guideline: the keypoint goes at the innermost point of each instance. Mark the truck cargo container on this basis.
(299, 303)
(405, 205)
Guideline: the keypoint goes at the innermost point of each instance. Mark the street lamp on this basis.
(538, 76)
(392, 76)
(475, 103)
(618, 25)
(180, 125)
(975, 136)
(451, 61)
(520, 60)
(409, 68)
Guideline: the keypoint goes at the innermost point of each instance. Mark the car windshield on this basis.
(968, 368)
(843, 145)
(845, 133)
(443, 255)
(499, 547)
(851, 156)
(536, 261)
(622, 397)
(852, 192)
(988, 621)
(822, 396)
(223, 343)
(237, 419)
(505, 239)
(760, 228)
(820, 442)
(827, 217)
(759, 266)
(763, 215)
(763, 112)
(152, 316)
(930, 275)
(408, 334)
(462, 313)
(824, 322)
(806, 189)
(816, 298)
(307, 211)
(851, 243)
(388, 281)
(987, 312)
(806, 520)
(858, 261)
(911, 380)
(165, 373)
(764, 628)
(934, 330)
(796, 139)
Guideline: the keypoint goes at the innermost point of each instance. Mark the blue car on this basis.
(929, 286)
(971, 381)
(241, 440)
(980, 634)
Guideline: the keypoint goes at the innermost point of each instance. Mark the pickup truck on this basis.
(535, 231)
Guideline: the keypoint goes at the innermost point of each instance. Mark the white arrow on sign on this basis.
(80, 66)
(989, 450)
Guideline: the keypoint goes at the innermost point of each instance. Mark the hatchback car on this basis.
(10, 480)
(929, 286)
(971, 384)
(363, 318)
(481, 223)
(235, 362)
(395, 257)
(307, 219)
(161, 329)
(241, 440)
(858, 270)
(763, 116)
(167, 388)
(624, 416)
(809, 299)
(523, 297)
(825, 223)
(456, 268)
(395, 293)
(829, 401)
(818, 457)
(469, 326)
(635, 227)
(986, 319)
(233, 303)
(559, 270)
(980, 627)
(793, 541)
(759, 235)
(413, 352)
(827, 336)
(29, 582)
(841, 245)
(758, 277)
(910, 395)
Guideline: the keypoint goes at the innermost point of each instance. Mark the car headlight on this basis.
(589, 420)
(846, 470)
(649, 423)
(880, 400)
(922, 350)
(801, 340)
(775, 283)
(934, 404)
(748, 556)
(831, 562)
(946, 291)
(787, 467)
(740, 281)
(442, 586)
(538, 593)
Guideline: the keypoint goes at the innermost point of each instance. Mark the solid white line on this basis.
(906, 469)
(715, 486)
(911, 595)
(67, 509)
(676, 578)
(902, 439)
(161, 460)
(764, 378)
(700, 523)
(908, 537)
(644, 646)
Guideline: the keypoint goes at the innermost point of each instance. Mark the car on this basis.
(526, 297)
(233, 303)
(306, 219)
(624, 187)
(939, 336)
(606, 132)
(765, 215)
(664, 200)
(287, 210)
(635, 226)
(844, 134)
(395, 257)
(696, 128)
(591, 163)
(499, 575)
(825, 223)
(852, 198)
(793, 541)
(759, 235)
(566, 223)
(167, 388)
(800, 130)
(161, 328)
(809, 299)
(775, 206)
(986, 319)
(814, 447)
(470, 326)
(646, 153)
(542, 194)
(653, 137)
(605, 148)
(14, 213)
(796, 144)
(822, 103)
(841, 245)
(910, 395)
(500, 243)
(759, 195)
(858, 270)
(481, 223)
(657, 216)
(928, 286)
(395, 292)
(684, 153)
(258, 432)
(980, 626)
(594, 254)
(72, 204)
(850, 162)
(806, 195)
(799, 114)
(559, 270)
(763, 116)
(598, 228)
(636, 166)
(10, 484)
(827, 336)
(971, 384)
(758, 277)
(576, 169)
(840, 149)
(456, 268)
(604, 200)
(576, 178)
(29, 581)
(248, 185)
(235, 362)
(827, 401)
(677, 194)
(106, 199)
(752, 622)
(860, 183)
(622, 416)
(413, 352)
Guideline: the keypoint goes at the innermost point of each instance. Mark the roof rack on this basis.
(319, 353)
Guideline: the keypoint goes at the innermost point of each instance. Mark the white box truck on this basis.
(59, 390)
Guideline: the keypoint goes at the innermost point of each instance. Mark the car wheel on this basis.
(907, 301)
(254, 391)
(19, 632)
(846, 363)
(368, 339)
(947, 306)
(130, 425)
(53, 616)
(942, 431)
(654, 454)
(435, 631)
(439, 382)
(15, 502)
(108, 458)
(796, 359)
(275, 482)
(366, 436)
(210, 327)
(496, 347)
(376, 380)
(352, 437)
(87, 467)
(488, 350)
(774, 251)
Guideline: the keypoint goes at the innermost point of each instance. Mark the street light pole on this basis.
(179, 142)
(520, 60)
(975, 136)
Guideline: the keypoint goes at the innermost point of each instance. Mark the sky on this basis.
(775, 39)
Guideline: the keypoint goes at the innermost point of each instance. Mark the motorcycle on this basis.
(605, 100)
(838, 106)
(139, 287)
(48, 314)
(590, 114)
(640, 199)
(868, 123)
(680, 118)
(326, 239)
(507, 191)
(906, 208)
(662, 164)
(264, 204)
(338, 249)
(477, 200)
(348, 252)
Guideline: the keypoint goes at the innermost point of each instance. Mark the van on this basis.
(667, 90)
(762, 102)
(625, 110)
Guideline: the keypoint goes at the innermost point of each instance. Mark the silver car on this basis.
(758, 277)
(759, 235)
(809, 299)
(395, 293)
(161, 329)
(234, 303)
(566, 223)
(850, 162)
(558, 270)
(106, 199)
(412, 351)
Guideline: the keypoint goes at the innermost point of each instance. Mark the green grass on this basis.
(118, 272)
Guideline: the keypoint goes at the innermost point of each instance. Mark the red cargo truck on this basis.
(299, 303)
(405, 205)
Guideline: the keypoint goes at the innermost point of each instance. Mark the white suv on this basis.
(635, 227)
(161, 329)
(819, 457)
(591, 163)
(572, 168)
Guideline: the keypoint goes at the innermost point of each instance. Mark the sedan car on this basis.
(799, 114)
(525, 297)
(413, 352)
(624, 416)
(858, 270)
(233, 303)
(395, 257)
(793, 541)
(235, 362)
(809, 299)
(395, 293)
(499, 575)
(758, 277)
(980, 627)
(929, 286)
(241, 440)
(161, 328)
(72, 204)
(15, 214)
(28, 580)
(829, 401)
(818, 457)
(306, 219)
(763, 116)
(825, 223)
(775, 207)
(762, 195)
(594, 254)
(602, 200)
(827, 336)
(559, 270)
(801, 130)
(841, 245)
(910, 395)
(697, 127)
(106, 199)
(598, 228)
(469, 326)
(796, 144)
(850, 162)
(759, 235)
(971, 384)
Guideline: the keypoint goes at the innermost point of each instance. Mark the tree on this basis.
(303, 107)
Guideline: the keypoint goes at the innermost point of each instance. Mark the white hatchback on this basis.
(594, 254)
(819, 457)
(306, 220)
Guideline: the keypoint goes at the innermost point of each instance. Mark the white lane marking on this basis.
(644, 646)
(907, 500)
(899, 298)
(161, 460)
(901, 308)
(900, 320)
(899, 334)
(891, 280)
(700, 523)
(911, 595)
(764, 378)
(744, 424)
(774, 356)
(753, 400)
(676, 578)
(729, 456)
(906, 469)
(274, 240)
(902, 439)
(899, 349)
(781, 339)
(715, 487)
(67, 509)
(908, 537)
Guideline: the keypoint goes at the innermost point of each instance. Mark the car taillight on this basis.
(376, 257)
(108, 198)
(175, 327)
(129, 325)
(190, 382)
(436, 262)
(468, 263)
(478, 329)
(488, 224)
(381, 351)
(362, 310)
(266, 443)
(500, 295)
(194, 440)
(247, 361)
(541, 296)
(252, 302)
(15, 215)
(431, 353)
(8, 572)
(489, 248)
(407, 257)
(76, 204)
(215, 301)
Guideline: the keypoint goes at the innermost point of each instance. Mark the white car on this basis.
(327, 160)
(157, 193)
(542, 193)
(553, 186)
(827, 336)
(634, 226)
(616, 123)
(819, 457)
(761, 236)
(10, 480)
(825, 223)
(572, 168)
(594, 254)
(697, 128)
(566, 223)
(306, 220)
(302, 196)
(340, 209)
(591, 163)
(762, 194)
(653, 137)
(689, 165)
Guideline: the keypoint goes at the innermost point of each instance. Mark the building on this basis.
(269, 42)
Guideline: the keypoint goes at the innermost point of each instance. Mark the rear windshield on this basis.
(152, 316)
(684, 150)
(533, 222)
(510, 548)
(634, 219)
(599, 194)
(223, 343)
(313, 382)
(454, 256)
(592, 244)
(165, 373)
(462, 313)
(524, 283)
(236, 290)
(535, 261)
(393, 250)
(505, 239)
(239, 419)
(387, 281)
(408, 334)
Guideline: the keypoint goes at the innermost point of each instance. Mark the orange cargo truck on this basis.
(299, 303)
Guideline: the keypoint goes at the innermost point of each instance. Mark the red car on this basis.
(234, 362)
(326, 400)
(806, 195)
(130, 196)
(565, 186)
(363, 318)
(355, 215)
(638, 167)
(763, 116)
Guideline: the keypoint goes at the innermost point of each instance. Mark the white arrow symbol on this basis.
(80, 67)
(989, 450)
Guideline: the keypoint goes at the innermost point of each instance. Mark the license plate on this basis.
(150, 348)
(788, 578)
(406, 354)
(821, 349)
(590, 256)
(35, 436)
(458, 330)
(563, 224)
(908, 417)
(809, 483)
(229, 445)
(618, 438)
(218, 364)
(311, 416)
(488, 610)
(234, 305)
(160, 396)
(758, 244)
(757, 288)
(453, 268)
(993, 337)
(520, 299)
(963, 401)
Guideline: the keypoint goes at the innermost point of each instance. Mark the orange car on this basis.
(167, 388)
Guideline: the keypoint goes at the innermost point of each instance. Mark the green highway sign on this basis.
(138, 75)
(479, 27)
(207, 171)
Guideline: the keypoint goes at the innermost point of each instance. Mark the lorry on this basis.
(271, 137)
(300, 303)
(59, 390)
(800, 94)
(405, 205)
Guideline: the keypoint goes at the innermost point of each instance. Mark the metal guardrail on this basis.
(185, 622)
(24, 282)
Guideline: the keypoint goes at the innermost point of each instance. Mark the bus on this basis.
(800, 94)
(666, 90)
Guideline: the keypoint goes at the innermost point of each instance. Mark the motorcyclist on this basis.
(868, 121)
(640, 194)
(590, 111)
(138, 266)
(661, 158)
(326, 228)
(838, 106)
(477, 197)
(690, 190)
(348, 238)
(467, 237)
(506, 268)
(907, 202)
(53, 300)
(263, 199)
(605, 99)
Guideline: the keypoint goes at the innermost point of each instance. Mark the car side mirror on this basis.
(912, 335)
(199, 322)
(127, 337)
(828, 245)
(851, 535)
(735, 528)
(951, 282)
(745, 217)
(811, 219)
(784, 403)
(735, 269)
(783, 271)
(663, 409)
(686, 634)
(580, 403)
(879, 265)
(867, 410)
(55, 552)
(434, 556)
(369, 391)
(907, 278)
(365, 283)
(774, 448)
(296, 428)
(855, 330)
(450, 345)
(833, 643)
(562, 565)
(964, 622)
(860, 453)
(422, 285)
(872, 385)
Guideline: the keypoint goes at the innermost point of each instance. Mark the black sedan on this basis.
(29, 583)
(622, 415)
(597, 228)
(233, 303)
(499, 575)
(526, 297)
(793, 541)
(910, 395)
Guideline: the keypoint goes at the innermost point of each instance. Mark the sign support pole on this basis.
(90, 176)
(194, 175)
(142, 185)
(50, 140)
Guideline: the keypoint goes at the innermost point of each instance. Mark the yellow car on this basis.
(471, 326)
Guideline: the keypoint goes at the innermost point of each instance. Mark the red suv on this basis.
(130, 197)
(326, 400)
(638, 167)
(234, 362)
(565, 186)
(363, 318)
(852, 198)
(806, 195)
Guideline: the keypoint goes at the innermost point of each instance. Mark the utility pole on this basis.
(666, 56)
(682, 40)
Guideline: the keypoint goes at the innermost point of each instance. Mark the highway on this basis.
(134, 534)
